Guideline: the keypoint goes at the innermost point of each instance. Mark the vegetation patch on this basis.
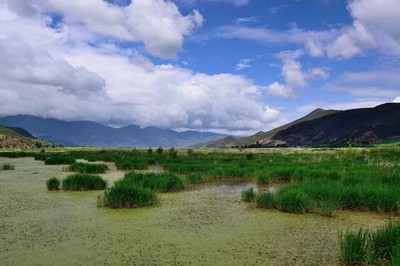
(83, 182)
(58, 159)
(366, 247)
(160, 182)
(265, 200)
(195, 178)
(248, 195)
(88, 168)
(127, 195)
(7, 166)
(295, 201)
(53, 183)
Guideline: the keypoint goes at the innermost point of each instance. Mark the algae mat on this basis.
(205, 225)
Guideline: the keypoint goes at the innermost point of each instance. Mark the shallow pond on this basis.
(203, 225)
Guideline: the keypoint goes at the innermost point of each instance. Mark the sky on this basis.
(227, 66)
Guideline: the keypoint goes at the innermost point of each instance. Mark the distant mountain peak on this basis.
(88, 133)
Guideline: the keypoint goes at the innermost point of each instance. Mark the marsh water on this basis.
(202, 225)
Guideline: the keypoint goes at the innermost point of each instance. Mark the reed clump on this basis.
(88, 168)
(160, 182)
(366, 247)
(83, 182)
(53, 183)
(125, 194)
(248, 195)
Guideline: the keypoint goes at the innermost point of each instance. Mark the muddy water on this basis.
(205, 225)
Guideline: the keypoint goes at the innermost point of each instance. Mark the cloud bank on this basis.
(65, 60)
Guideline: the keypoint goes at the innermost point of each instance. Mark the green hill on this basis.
(13, 137)
(364, 126)
(264, 139)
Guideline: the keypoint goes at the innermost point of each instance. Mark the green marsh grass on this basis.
(385, 243)
(88, 168)
(355, 247)
(127, 195)
(248, 195)
(160, 182)
(265, 200)
(53, 183)
(323, 179)
(294, 201)
(59, 159)
(365, 247)
(83, 182)
(132, 162)
(195, 178)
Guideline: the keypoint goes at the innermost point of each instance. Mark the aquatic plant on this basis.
(248, 195)
(82, 182)
(294, 200)
(59, 159)
(365, 247)
(195, 178)
(53, 183)
(355, 247)
(161, 182)
(88, 168)
(127, 195)
(385, 242)
(262, 178)
(265, 200)
(132, 162)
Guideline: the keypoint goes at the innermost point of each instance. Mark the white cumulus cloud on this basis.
(53, 72)
(158, 24)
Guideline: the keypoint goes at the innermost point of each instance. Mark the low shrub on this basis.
(265, 200)
(248, 195)
(53, 183)
(88, 168)
(127, 195)
(82, 182)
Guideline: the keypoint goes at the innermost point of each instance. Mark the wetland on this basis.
(206, 223)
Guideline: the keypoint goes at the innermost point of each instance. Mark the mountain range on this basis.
(364, 126)
(87, 133)
(320, 128)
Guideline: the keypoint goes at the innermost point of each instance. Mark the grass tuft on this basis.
(127, 195)
(294, 201)
(162, 182)
(248, 195)
(59, 159)
(265, 200)
(364, 247)
(53, 183)
(88, 168)
(354, 247)
(83, 182)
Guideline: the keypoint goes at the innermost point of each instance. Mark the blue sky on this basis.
(227, 66)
